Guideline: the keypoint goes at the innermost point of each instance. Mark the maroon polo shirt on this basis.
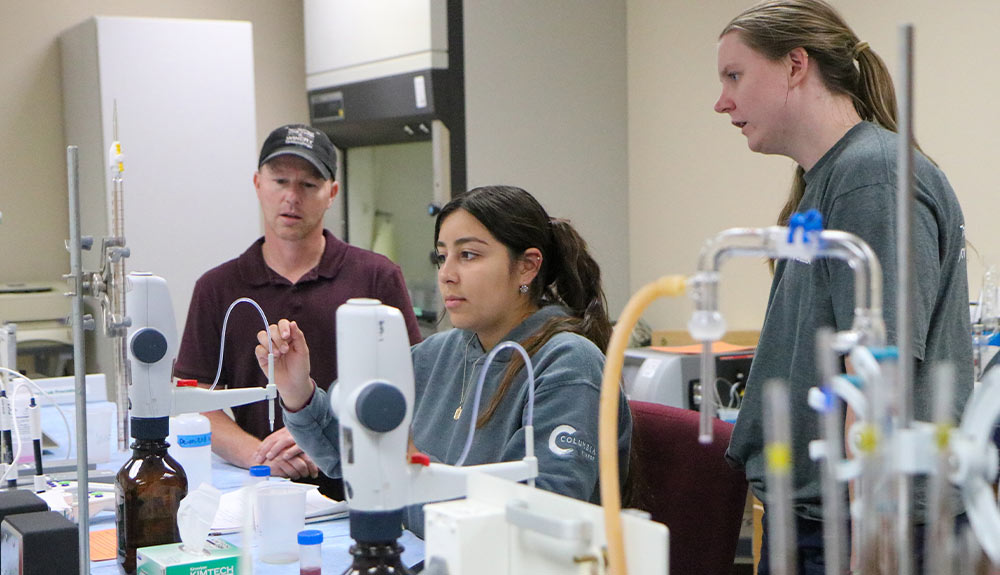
(344, 272)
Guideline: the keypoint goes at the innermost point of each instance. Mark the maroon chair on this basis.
(687, 486)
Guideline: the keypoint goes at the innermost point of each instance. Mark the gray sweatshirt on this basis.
(568, 371)
(854, 186)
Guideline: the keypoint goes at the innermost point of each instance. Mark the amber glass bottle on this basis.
(148, 491)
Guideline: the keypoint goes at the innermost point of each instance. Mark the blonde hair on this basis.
(848, 66)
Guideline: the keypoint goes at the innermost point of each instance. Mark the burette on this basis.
(107, 285)
(113, 277)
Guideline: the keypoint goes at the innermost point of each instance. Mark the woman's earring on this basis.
(523, 289)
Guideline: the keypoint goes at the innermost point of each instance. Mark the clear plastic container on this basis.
(310, 552)
(190, 442)
(282, 513)
(259, 474)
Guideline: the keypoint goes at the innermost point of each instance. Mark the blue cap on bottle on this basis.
(310, 537)
(260, 471)
(881, 354)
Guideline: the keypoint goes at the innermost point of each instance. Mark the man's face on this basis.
(754, 93)
(293, 197)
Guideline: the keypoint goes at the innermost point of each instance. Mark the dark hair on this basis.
(568, 276)
(848, 66)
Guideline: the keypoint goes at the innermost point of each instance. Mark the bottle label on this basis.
(199, 440)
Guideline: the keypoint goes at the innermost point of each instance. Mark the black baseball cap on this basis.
(302, 141)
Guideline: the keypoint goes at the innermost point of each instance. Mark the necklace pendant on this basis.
(458, 413)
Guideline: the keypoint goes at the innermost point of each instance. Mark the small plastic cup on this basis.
(282, 514)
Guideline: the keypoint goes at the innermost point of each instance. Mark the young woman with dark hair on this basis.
(506, 271)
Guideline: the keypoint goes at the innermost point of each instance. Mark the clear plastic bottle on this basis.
(259, 474)
(148, 491)
(190, 442)
(310, 552)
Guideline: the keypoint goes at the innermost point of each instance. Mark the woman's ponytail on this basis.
(576, 283)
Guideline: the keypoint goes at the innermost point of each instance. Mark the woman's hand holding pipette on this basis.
(291, 362)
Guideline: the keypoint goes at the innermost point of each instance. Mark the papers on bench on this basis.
(229, 518)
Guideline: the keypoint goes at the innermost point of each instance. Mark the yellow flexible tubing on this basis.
(608, 412)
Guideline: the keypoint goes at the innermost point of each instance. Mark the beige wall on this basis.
(690, 171)
(32, 145)
(546, 109)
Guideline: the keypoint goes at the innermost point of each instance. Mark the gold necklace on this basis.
(465, 385)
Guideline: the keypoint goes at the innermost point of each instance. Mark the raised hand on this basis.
(291, 362)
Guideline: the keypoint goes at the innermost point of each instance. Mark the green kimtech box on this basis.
(220, 558)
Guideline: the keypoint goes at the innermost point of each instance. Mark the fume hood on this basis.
(385, 82)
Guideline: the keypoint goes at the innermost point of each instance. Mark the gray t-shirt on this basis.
(854, 187)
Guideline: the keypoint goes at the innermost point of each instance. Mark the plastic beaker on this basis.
(282, 514)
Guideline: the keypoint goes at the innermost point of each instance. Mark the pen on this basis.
(35, 425)
(6, 420)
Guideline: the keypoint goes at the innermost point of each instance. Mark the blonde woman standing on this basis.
(798, 82)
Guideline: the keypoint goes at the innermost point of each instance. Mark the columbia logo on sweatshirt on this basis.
(563, 442)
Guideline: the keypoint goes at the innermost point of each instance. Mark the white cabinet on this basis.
(186, 121)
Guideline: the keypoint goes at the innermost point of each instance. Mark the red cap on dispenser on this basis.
(420, 459)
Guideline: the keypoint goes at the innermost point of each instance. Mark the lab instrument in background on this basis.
(374, 402)
(55, 397)
(152, 346)
(106, 286)
(38, 543)
(804, 239)
(503, 528)
(673, 378)
(43, 339)
(884, 453)
(29, 532)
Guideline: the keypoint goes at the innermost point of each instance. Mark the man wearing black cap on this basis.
(299, 271)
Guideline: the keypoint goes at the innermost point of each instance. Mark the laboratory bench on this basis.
(225, 477)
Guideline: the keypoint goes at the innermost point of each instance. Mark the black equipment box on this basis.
(39, 543)
(20, 501)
